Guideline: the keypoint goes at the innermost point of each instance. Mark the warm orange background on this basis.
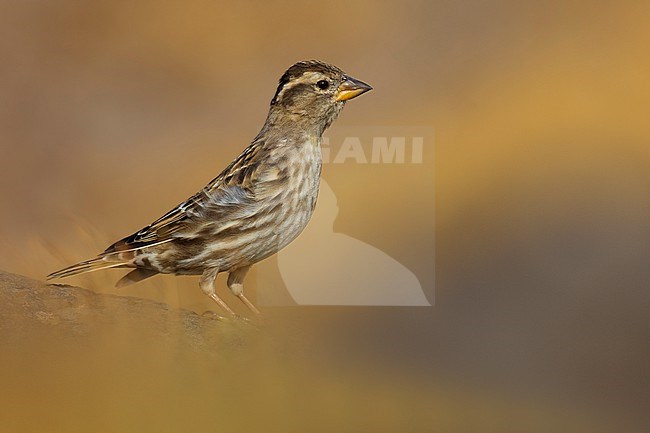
(113, 112)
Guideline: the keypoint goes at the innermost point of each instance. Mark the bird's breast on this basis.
(290, 184)
(283, 198)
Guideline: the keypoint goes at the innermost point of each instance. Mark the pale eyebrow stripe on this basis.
(306, 77)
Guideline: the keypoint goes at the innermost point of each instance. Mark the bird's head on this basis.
(315, 92)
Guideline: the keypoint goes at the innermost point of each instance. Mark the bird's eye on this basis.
(323, 84)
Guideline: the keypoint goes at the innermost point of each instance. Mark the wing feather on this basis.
(231, 191)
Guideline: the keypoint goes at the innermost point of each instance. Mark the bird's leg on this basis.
(207, 285)
(236, 286)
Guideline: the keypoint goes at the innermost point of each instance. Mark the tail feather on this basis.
(95, 264)
(135, 276)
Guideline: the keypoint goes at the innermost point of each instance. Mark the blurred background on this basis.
(111, 113)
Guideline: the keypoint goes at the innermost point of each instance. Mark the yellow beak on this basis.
(351, 88)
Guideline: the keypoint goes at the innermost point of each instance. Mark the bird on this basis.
(256, 206)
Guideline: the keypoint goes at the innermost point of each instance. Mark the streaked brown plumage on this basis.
(256, 206)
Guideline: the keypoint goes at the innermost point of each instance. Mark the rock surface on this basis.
(29, 307)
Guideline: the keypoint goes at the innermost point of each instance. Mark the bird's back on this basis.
(252, 210)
